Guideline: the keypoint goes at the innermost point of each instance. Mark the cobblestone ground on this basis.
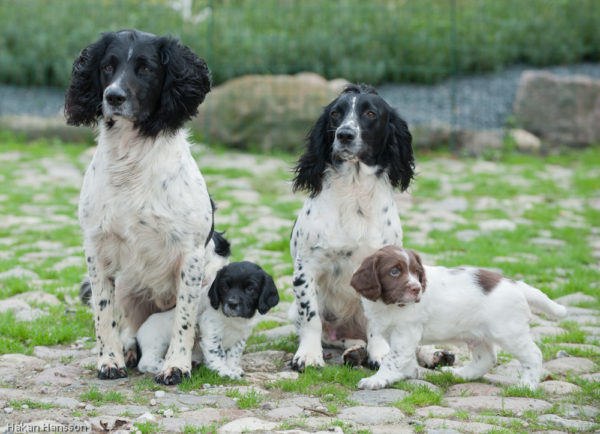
(535, 219)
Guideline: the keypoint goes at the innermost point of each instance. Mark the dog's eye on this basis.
(146, 70)
(335, 114)
(108, 68)
(394, 272)
(371, 115)
(249, 288)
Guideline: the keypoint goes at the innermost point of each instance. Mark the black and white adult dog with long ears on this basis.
(357, 154)
(144, 207)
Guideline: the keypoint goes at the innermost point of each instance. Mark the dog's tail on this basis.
(541, 301)
(85, 291)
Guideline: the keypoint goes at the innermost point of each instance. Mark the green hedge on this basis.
(374, 41)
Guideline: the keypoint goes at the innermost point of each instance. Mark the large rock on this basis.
(475, 143)
(268, 111)
(562, 110)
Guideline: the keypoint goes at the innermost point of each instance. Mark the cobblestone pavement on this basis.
(536, 226)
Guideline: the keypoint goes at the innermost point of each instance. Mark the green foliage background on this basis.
(375, 41)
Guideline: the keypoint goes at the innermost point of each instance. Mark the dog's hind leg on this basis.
(530, 356)
(483, 358)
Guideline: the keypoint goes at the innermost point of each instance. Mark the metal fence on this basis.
(426, 56)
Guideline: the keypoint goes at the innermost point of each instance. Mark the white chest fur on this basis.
(143, 203)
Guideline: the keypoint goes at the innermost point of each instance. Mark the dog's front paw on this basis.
(233, 373)
(151, 366)
(441, 358)
(307, 357)
(355, 356)
(110, 370)
(372, 383)
(430, 357)
(133, 354)
(172, 376)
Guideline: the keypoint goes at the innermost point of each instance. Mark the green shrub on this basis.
(375, 41)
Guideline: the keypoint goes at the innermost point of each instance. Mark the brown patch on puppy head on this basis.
(365, 280)
(416, 266)
(387, 274)
(487, 280)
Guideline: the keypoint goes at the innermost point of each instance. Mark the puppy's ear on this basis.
(422, 276)
(397, 156)
(213, 292)
(366, 279)
(83, 100)
(269, 296)
(186, 83)
(312, 164)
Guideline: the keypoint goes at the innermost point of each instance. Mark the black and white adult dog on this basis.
(239, 291)
(357, 154)
(144, 208)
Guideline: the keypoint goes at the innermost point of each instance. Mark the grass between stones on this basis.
(97, 397)
(333, 384)
(245, 401)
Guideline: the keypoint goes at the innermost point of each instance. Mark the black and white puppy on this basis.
(239, 291)
(144, 207)
(357, 154)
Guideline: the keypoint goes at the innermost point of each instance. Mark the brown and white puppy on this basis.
(412, 304)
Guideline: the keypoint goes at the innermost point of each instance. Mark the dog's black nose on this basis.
(345, 135)
(115, 97)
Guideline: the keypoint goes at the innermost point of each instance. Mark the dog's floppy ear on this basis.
(213, 292)
(422, 275)
(397, 155)
(83, 100)
(366, 279)
(187, 81)
(269, 296)
(312, 164)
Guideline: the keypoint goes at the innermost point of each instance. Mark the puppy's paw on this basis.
(442, 358)
(110, 370)
(355, 356)
(172, 376)
(133, 355)
(430, 357)
(234, 373)
(528, 383)
(448, 369)
(372, 383)
(147, 365)
(304, 358)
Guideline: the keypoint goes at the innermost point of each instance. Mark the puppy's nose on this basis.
(414, 290)
(345, 135)
(115, 96)
(233, 303)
